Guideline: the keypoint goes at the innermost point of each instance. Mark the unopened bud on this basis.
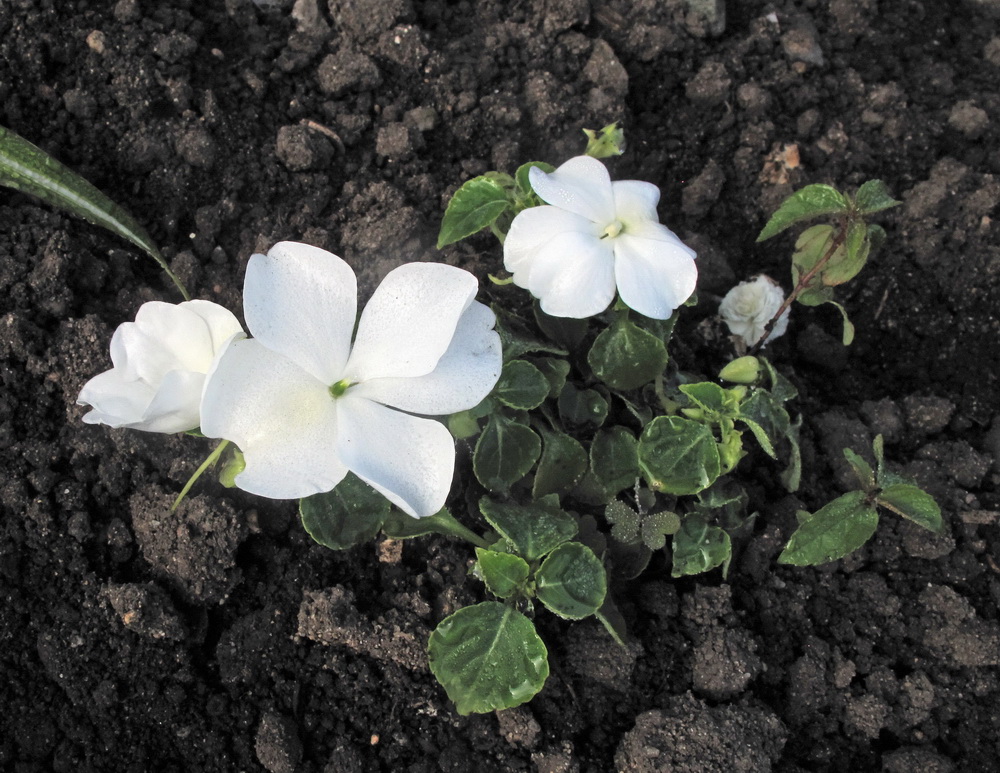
(743, 370)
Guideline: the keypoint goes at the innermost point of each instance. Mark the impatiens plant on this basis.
(592, 449)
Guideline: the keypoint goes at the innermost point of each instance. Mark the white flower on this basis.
(594, 236)
(160, 362)
(749, 306)
(305, 407)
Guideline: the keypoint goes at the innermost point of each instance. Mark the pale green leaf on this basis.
(873, 196)
(532, 530)
(839, 528)
(475, 206)
(699, 547)
(678, 456)
(913, 503)
(503, 573)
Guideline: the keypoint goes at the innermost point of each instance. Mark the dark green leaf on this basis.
(565, 331)
(613, 621)
(488, 657)
(505, 452)
(475, 206)
(515, 341)
(767, 419)
(699, 547)
(811, 201)
(563, 463)
(614, 458)
(839, 528)
(347, 516)
(521, 385)
(582, 407)
(571, 581)
(781, 388)
(724, 503)
(503, 573)
(625, 357)
(532, 530)
(791, 476)
(555, 370)
(873, 196)
(678, 456)
(913, 503)
(29, 169)
(399, 525)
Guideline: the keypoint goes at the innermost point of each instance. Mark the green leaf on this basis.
(767, 419)
(699, 547)
(625, 522)
(571, 581)
(521, 385)
(613, 621)
(625, 356)
(839, 528)
(848, 335)
(488, 657)
(29, 169)
(724, 502)
(913, 503)
(504, 453)
(810, 248)
(565, 331)
(711, 397)
(555, 370)
(656, 527)
(515, 341)
(811, 201)
(523, 183)
(582, 407)
(678, 456)
(503, 573)
(614, 459)
(563, 463)
(862, 470)
(791, 476)
(848, 259)
(873, 196)
(347, 516)
(463, 424)
(608, 141)
(532, 530)
(781, 388)
(475, 206)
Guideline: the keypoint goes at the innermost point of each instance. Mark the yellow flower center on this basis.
(614, 228)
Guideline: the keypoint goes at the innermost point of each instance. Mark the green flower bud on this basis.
(743, 370)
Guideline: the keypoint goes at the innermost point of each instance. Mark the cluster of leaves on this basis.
(828, 255)
(850, 520)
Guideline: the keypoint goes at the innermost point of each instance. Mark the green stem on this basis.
(212, 459)
(449, 525)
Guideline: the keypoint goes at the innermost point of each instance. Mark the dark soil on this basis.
(222, 639)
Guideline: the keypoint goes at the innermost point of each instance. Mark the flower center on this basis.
(614, 228)
(338, 389)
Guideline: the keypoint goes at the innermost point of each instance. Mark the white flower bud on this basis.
(749, 306)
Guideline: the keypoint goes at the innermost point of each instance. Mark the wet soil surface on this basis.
(220, 639)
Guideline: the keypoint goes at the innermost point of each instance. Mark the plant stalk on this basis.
(212, 459)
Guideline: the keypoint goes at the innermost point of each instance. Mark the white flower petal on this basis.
(301, 301)
(464, 375)
(581, 185)
(573, 276)
(654, 277)
(635, 201)
(410, 321)
(282, 418)
(164, 337)
(408, 459)
(175, 406)
(222, 323)
(116, 400)
(532, 229)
